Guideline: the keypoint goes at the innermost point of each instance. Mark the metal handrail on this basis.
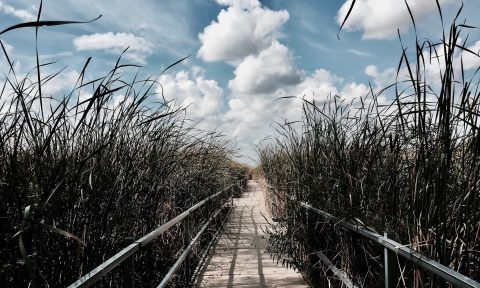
(339, 273)
(185, 252)
(101, 270)
(207, 249)
(410, 254)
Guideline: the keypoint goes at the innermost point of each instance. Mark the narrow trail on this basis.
(239, 258)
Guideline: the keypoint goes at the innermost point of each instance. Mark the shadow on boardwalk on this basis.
(239, 258)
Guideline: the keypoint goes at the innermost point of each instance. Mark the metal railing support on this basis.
(128, 266)
(339, 273)
(411, 255)
(186, 242)
(197, 270)
(101, 270)
(390, 265)
(187, 249)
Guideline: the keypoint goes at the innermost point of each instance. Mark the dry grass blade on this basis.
(346, 16)
(45, 23)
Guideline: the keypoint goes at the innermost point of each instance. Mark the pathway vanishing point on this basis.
(239, 258)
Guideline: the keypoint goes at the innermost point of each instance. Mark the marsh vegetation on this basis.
(410, 167)
(83, 169)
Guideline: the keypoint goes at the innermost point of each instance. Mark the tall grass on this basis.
(411, 168)
(106, 160)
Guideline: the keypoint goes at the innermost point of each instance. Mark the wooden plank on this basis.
(239, 259)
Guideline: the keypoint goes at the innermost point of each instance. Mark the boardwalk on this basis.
(240, 259)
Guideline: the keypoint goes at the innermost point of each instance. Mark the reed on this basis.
(82, 170)
(410, 168)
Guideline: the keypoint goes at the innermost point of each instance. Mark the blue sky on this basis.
(245, 54)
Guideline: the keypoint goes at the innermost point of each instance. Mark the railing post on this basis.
(186, 242)
(128, 266)
(274, 205)
(391, 266)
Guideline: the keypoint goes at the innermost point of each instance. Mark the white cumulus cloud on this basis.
(64, 82)
(246, 4)
(381, 79)
(380, 19)
(271, 69)
(471, 61)
(239, 31)
(202, 97)
(21, 14)
(250, 117)
(247, 35)
(139, 48)
(8, 48)
(320, 87)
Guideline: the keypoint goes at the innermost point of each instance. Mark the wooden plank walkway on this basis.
(239, 258)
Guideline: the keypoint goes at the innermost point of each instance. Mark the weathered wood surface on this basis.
(239, 258)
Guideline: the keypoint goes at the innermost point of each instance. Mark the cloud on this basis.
(321, 85)
(381, 79)
(8, 49)
(471, 61)
(359, 53)
(321, 82)
(271, 69)
(244, 4)
(166, 25)
(433, 66)
(63, 82)
(21, 14)
(202, 97)
(247, 36)
(380, 19)
(244, 29)
(250, 117)
(17, 58)
(139, 47)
